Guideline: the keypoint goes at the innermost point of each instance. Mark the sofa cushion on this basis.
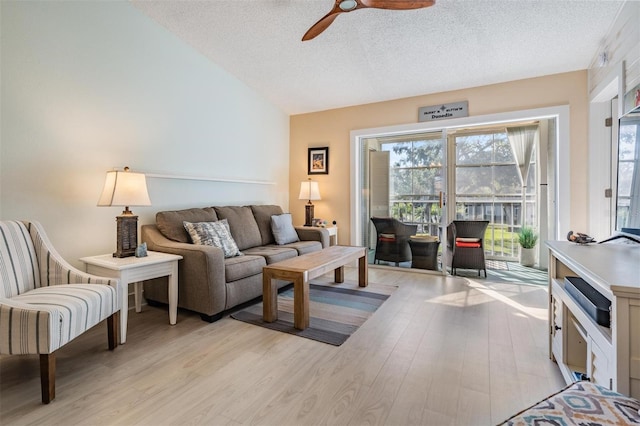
(242, 224)
(304, 247)
(169, 223)
(263, 214)
(71, 309)
(215, 234)
(273, 254)
(283, 230)
(237, 268)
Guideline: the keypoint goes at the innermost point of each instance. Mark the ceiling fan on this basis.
(343, 6)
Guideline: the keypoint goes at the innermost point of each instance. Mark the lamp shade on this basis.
(309, 190)
(124, 188)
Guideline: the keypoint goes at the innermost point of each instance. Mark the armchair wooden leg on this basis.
(112, 330)
(48, 377)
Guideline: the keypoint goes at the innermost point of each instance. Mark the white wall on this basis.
(88, 86)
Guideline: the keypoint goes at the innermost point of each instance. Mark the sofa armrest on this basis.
(201, 272)
(151, 235)
(312, 233)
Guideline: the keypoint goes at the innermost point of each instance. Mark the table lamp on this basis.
(125, 188)
(309, 190)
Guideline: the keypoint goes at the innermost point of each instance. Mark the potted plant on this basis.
(528, 239)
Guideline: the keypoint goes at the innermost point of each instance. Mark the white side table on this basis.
(333, 235)
(135, 270)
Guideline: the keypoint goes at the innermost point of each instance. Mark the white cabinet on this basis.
(555, 309)
(580, 346)
(599, 365)
(608, 356)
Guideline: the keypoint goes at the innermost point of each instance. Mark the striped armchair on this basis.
(45, 302)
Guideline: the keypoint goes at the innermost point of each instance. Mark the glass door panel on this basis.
(416, 179)
(628, 191)
(488, 186)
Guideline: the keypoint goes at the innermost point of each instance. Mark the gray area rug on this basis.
(336, 311)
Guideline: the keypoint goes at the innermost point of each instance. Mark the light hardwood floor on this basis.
(440, 351)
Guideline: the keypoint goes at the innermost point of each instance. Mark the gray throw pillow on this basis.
(216, 234)
(283, 230)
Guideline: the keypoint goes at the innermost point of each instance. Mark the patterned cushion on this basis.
(283, 230)
(581, 403)
(215, 234)
(18, 263)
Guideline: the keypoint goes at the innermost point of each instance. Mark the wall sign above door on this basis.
(444, 111)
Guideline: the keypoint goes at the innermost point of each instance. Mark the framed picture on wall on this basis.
(318, 161)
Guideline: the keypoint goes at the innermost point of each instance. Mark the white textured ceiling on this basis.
(372, 55)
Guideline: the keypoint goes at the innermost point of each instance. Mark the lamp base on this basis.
(127, 235)
(308, 214)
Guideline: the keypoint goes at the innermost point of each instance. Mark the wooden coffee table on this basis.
(303, 268)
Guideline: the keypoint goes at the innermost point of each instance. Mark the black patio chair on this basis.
(393, 240)
(465, 245)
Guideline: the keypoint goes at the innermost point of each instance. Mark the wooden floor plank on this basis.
(439, 351)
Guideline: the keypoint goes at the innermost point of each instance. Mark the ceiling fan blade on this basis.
(344, 6)
(321, 25)
(397, 4)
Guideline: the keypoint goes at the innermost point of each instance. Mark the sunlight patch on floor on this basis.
(538, 313)
(478, 293)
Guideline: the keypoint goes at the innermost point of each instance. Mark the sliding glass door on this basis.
(406, 180)
(416, 181)
(501, 171)
(628, 193)
(489, 185)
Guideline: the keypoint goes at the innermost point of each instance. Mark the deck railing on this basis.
(505, 221)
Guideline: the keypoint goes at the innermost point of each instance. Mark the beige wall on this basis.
(332, 128)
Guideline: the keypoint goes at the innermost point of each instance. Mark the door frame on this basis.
(562, 188)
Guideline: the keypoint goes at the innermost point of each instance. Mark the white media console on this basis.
(608, 356)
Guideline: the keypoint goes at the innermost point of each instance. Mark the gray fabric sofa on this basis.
(209, 283)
